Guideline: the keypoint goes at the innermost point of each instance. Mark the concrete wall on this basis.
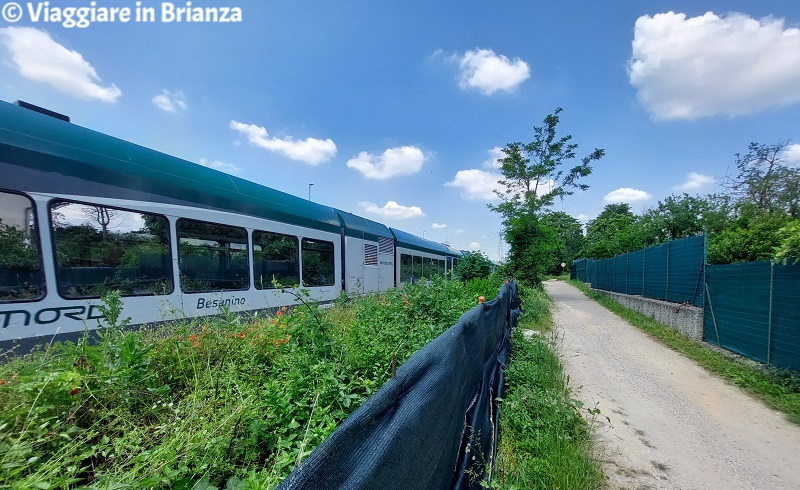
(687, 320)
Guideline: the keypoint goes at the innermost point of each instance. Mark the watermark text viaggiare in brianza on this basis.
(82, 16)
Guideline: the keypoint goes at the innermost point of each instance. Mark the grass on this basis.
(778, 389)
(233, 401)
(545, 443)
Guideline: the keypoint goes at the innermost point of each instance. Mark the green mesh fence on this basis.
(753, 308)
(672, 271)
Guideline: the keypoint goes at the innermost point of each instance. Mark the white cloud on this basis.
(495, 154)
(583, 218)
(709, 65)
(626, 194)
(170, 101)
(392, 210)
(394, 162)
(488, 72)
(438, 226)
(311, 150)
(39, 58)
(792, 154)
(477, 185)
(221, 166)
(695, 181)
(474, 246)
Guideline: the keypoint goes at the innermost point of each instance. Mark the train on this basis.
(83, 213)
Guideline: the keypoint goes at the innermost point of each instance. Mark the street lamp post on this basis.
(309, 191)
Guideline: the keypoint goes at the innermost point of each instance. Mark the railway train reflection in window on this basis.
(82, 213)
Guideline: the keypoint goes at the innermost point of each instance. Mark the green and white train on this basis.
(82, 213)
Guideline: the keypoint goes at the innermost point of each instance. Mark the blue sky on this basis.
(392, 109)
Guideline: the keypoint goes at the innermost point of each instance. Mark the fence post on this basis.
(668, 242)
(771, 290)
(644, 270)
(713, 318)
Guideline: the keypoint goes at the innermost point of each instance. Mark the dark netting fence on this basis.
(753, 308)
(435, 425)
(672, 271)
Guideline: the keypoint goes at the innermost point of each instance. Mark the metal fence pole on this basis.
(771, 291)
(667, 294)
(713, 318)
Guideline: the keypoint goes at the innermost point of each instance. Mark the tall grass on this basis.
(545, 443)
(233, 401)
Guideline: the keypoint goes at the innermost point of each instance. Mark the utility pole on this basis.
(309, 191)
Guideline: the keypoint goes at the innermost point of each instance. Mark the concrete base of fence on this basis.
(687, 320)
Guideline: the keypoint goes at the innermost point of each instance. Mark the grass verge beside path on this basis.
(545, 443)
(777, 388)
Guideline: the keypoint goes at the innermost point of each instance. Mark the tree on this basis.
(753, 235)
(535, 174)
(569, 235)
(682, 216)
(765, 179)
(473, 265)
(613, 232)
(789, 248)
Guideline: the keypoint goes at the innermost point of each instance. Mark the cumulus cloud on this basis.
(311, 150)
(221, 166)
(392, 210)
(474, 246)
(477, 185)
(39, 58)
(626, 194)
(495, 154)
(695, 181)
(489, 72)
(686, 68)
(583, 218)
(792, 154)
(394, 162)
(170, 101)
(438, 226)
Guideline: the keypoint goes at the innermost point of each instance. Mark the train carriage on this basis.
(82, 213)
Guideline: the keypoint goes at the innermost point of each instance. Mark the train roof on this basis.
(358, 227)
(48, 144)
(407, 240)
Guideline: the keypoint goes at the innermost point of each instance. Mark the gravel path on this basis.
(673, 425)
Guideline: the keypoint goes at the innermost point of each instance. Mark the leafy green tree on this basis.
(789, 248)
(16, 251)
(569, 234)
(753, 235)
(682, 216)
(473, 265)
(533, 247)
(613, 232)
(766, 179)
(535, 174)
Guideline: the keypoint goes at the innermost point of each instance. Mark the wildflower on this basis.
(405, 303)
(241, 335)
(193, 337)
(2, 382)
(481, 299)
(195, 344)
(279, 313)
(284, 309)
(74, 391)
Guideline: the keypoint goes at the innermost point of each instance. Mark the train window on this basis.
(100, 249)
(370, 254)
(21, 277)
(406, 274)
(276, 260)
(318, 263)
(416, 273)
(212, 257)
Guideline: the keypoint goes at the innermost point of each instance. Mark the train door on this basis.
(385, 263)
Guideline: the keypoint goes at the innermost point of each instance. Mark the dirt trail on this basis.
(673, 425)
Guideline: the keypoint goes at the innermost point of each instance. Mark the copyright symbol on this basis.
(12, 12)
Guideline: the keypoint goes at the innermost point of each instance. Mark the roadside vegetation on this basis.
(780, 389)
(545, 441)
(232, 401)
